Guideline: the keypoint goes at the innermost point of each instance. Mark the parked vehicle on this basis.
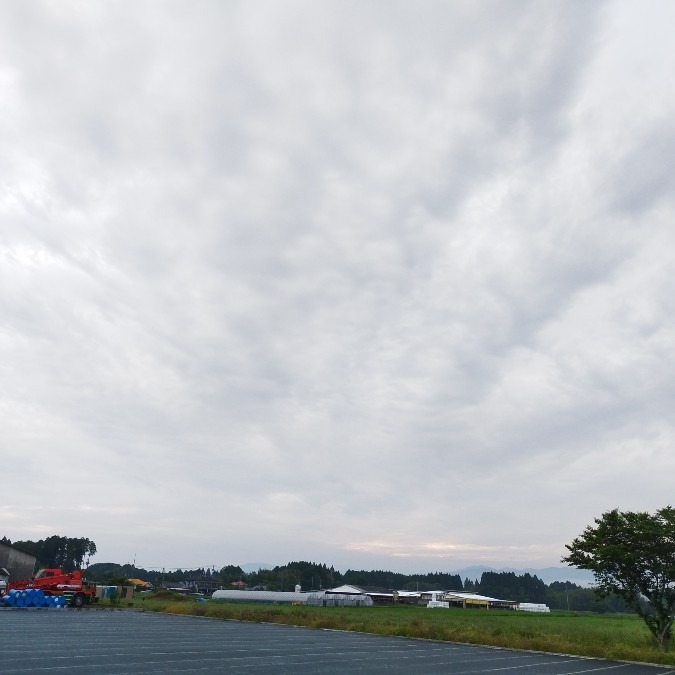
(54, 581)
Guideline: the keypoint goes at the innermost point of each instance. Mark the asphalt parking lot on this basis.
(115, 641)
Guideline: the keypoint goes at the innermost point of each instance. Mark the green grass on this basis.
(622, 637)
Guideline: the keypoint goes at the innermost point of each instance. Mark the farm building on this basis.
(261, 596)
(350, 595)
(533, 607)
(474, 600)
(454, 598)
(17, 563)
(320, 598)
(377, 594)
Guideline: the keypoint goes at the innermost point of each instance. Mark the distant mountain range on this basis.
(546, 574)
(254, 567)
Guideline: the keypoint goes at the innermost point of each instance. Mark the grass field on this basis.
(622, 637)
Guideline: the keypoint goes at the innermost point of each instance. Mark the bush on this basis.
(169, 595)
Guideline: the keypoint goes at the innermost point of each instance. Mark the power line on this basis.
(186, 568)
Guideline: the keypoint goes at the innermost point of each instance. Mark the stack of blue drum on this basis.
(32, 597)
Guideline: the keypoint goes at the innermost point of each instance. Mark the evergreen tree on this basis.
(66, 553)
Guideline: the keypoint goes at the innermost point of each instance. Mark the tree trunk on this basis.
(664, 635)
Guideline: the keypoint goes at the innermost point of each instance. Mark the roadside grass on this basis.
(622, 637)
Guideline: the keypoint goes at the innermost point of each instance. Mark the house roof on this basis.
(349, 589)
(462, 595)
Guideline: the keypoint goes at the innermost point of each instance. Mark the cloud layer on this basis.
(366, 285)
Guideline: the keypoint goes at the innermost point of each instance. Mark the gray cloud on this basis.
(334, 282)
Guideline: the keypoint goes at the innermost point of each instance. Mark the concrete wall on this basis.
(20, 565)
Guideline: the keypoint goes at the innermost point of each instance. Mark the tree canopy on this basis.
(632, 554)
(525, 588)
(65, 552)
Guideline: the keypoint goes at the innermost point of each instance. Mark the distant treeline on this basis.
(68, 553)
(71, 553)
(315, 576)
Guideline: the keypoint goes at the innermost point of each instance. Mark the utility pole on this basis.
(567, 594)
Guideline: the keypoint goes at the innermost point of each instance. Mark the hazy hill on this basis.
(547, 574)
(254, 567)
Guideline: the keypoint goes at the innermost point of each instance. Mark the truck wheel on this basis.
(77, 601)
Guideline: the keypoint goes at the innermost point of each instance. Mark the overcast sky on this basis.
(378, 284)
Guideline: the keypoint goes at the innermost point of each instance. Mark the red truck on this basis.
(54, 581)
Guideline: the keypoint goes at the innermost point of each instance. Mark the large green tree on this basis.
(65, 552)
(632, 554)
(231, 573)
